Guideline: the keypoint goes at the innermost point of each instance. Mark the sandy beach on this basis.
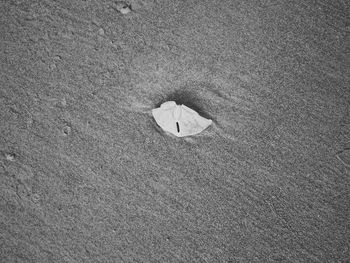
(87, 175)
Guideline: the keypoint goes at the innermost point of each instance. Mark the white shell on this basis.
(179, 119)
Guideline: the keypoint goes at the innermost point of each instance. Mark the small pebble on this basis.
(36, 198)
(67, 130)
(101, 32)
(52, 66)
(64, 102)
(10, 157)
(123, 7)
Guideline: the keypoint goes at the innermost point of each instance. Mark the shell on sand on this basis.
(179, 119)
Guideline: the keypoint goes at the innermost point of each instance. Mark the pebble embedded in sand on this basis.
(123, 7)
(10, 156)
(63, 102)
(66, 130)
(101, 32)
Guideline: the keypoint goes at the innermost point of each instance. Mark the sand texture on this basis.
(87, 175)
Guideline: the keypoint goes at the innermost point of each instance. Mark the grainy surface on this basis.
(87, 176)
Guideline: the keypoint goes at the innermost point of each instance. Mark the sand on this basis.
(88, 176)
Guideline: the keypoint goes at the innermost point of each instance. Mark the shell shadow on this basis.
(187, 98)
